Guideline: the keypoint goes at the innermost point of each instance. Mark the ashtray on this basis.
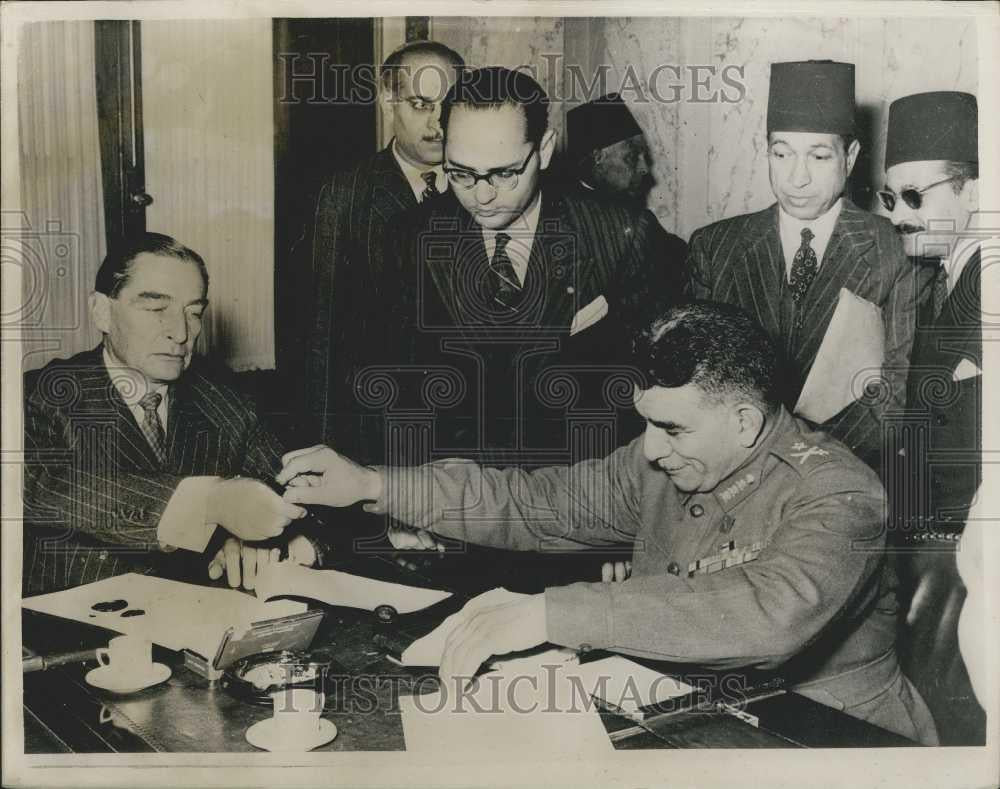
(254, 678)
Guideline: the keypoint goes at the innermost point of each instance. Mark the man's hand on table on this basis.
(492, 631)
(241, 561)
(318, 475)
(249, 509)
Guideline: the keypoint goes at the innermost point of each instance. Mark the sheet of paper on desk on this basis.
(427, 651)
(175, 615)
(337, 588)
(518, 710)
(626, 685)
(850, 355)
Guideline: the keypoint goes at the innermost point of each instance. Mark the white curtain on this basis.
(208, 117)
(57, 236)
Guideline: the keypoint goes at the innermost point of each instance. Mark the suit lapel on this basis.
(559, 270)
(131, 449)
(761, 282)
(391, 192)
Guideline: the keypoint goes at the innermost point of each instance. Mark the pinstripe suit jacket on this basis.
(93, 489)
(354, 212)
(516, 382)
(740, 261)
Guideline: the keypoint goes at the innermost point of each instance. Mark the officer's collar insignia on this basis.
(737, 486)
(803, 452)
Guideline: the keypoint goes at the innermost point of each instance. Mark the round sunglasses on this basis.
(912, 197)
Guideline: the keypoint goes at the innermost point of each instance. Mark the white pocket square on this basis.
(965, 369)
(589, 315)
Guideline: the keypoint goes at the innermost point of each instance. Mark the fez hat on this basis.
(598, 124)
(930, 126)
(811, 96)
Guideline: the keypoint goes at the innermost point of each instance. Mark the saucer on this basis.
(111, 679)
(264, 735)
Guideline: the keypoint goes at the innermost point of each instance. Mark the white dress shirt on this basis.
(415, 175)
(790, 230)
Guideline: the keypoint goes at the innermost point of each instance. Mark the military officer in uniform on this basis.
(757, 542)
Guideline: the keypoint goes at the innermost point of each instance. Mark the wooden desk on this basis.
(189, 714)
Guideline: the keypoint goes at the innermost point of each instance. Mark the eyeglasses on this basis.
(912, 197)
(503, 180)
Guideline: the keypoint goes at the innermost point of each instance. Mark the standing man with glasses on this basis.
(519, 293)
(509, 277)
(787, 265)
(354, 211)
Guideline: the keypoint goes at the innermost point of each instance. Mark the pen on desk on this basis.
(42, 662)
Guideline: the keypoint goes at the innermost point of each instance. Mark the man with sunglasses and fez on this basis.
(516, 294)
(354, 211)
(931, 194)
(787, 264)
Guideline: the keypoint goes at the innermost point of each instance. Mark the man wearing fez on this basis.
(932, 191)
(757, 542)
(608, 150)
(522, 288)
(137, 447)
(355, 210)
(788, 264)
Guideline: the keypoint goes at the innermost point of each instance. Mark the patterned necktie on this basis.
(152, 427)
(940, 293)
(430, 178)
(804, 267)
(507, 288)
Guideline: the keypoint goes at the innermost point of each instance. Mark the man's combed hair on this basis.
(495, 87)
(962, 172)
(392, 67)
(114, 272)
(717, 347)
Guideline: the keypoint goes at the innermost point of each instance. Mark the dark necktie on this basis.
(152, 427)
(506, 287)
(940, 292)
(430, 178)
(804, 267)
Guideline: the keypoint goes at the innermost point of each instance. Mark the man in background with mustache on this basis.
(354, 212)
(788, 264)
(932, 196)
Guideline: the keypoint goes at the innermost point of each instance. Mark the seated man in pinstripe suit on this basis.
(136, 448)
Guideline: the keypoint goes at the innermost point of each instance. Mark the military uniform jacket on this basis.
(740, 261)
(779, 567)
(94, 490)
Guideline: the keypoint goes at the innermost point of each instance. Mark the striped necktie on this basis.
(152, 427)
(430, 178)
(940, 292)
(507, 287)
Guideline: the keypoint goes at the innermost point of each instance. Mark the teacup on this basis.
(296, 712)
(130, 655)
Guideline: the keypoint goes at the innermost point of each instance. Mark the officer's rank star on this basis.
(806, 452)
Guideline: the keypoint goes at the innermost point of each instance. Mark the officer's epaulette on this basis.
(804, 453)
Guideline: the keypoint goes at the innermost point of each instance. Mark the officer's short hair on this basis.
(717, 347)
(114, 273)
(494, 87)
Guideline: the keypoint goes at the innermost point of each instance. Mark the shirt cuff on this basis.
(183, 523)
(579, 616)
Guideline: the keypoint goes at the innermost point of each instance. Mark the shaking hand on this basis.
(318, 475)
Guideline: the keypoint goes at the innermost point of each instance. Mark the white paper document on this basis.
(336, 588)
(529, 707)
(175, 615)
(427, 651)
(850, 356)
(626, 685)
